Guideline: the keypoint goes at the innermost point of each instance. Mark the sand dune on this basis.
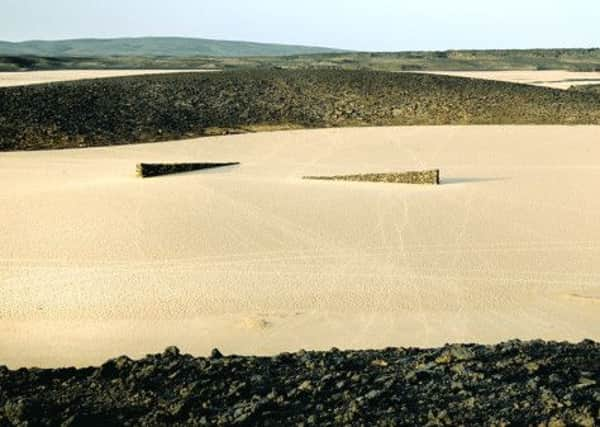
(557, 79)
(21, 78)
(253, 259)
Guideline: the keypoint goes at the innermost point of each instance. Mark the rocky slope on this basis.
(162, 107)
(514, 383)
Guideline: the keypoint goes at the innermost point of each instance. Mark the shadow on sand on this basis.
(461, 180)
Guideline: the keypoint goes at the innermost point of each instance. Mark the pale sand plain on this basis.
(557, 79)
(22, 78)
(253, 259)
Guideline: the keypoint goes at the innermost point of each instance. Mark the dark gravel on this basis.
(162, 107)
(514, 383)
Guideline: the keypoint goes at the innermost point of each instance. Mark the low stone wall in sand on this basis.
(146, 170)
(413, 177)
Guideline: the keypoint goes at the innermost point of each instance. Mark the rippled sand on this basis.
(252, 259)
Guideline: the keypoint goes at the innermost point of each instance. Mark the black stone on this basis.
(514, 383)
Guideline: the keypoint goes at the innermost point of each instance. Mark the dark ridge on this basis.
(515, 383)
(431, 177)
(165, 107)
(146, 170)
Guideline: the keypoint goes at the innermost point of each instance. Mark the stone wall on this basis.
(146, 170)
(413, 177)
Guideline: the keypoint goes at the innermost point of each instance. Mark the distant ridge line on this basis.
(154, 46)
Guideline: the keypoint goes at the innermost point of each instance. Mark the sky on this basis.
(367, 25)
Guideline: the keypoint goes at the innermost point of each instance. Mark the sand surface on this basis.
(252, 259)
(555, 79)
(36, 77)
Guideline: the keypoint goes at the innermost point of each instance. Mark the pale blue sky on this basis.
(376, 25)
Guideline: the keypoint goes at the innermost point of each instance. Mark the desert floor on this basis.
(37, 77)
(556, 79)
(96, 262)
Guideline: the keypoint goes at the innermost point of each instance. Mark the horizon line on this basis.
(294, 44)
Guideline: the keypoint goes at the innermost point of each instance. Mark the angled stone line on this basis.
(431, 177)
(146, 170)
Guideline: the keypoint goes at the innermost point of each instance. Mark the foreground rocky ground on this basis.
(514, 383)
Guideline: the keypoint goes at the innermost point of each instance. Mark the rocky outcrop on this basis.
(152, 108)
(515, 383)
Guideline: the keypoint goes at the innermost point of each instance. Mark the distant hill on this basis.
(152, 46)
(173, 106)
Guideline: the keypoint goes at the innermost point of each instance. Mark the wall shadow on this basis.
(467, 180)
(217, 171)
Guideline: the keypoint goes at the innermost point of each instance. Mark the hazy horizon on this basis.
(379, 25)
(284, 43)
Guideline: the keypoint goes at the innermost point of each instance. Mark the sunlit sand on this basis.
(557, 79)
(21, 78)
(253, 259)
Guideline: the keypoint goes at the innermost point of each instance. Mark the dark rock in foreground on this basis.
(515, 383)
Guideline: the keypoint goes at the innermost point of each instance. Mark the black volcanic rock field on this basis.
(162, 107)
(515, 383)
